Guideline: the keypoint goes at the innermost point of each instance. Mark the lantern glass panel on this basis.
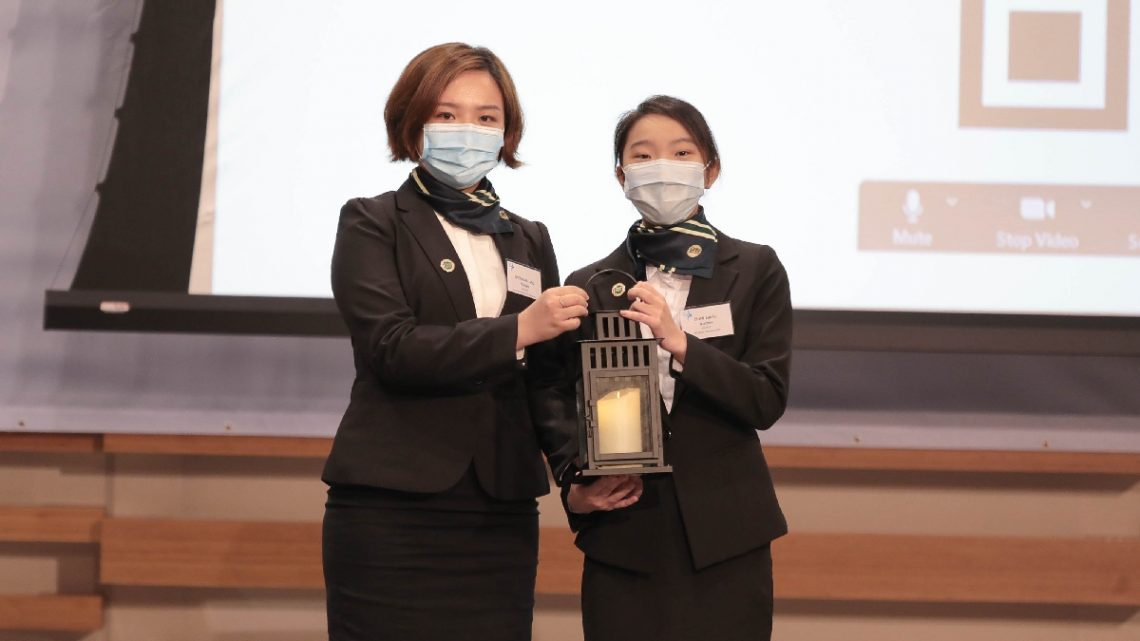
(622, 413)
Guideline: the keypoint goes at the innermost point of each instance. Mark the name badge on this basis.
(709, 321)
(523, 280)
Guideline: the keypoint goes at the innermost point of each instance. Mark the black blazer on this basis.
(436, 387)
(729, 387)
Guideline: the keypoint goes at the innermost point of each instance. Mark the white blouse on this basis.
(675, 289)
(483, 265)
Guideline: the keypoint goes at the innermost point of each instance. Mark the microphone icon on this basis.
(912, 206)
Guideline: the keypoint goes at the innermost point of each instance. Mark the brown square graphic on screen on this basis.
(1044, 46)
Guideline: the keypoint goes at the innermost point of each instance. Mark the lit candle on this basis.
(619, 422)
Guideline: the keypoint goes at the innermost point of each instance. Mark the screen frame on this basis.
(134, 311)
(162, 148)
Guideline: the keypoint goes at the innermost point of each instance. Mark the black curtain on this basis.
(142, 236)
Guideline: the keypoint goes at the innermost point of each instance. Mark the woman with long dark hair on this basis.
(690, 559)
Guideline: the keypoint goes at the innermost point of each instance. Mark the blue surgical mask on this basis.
(665, 191)
(460, 155)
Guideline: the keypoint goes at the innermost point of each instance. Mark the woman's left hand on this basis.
(605, 494)
(649, 307)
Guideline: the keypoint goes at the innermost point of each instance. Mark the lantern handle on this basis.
(613, 298)
(610, 270)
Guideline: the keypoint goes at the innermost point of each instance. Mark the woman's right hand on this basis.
(555, 311)
(607, 493)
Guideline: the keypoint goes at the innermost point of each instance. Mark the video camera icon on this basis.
(1036, 208)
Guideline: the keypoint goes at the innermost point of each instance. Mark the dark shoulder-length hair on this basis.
(677, 109)
(417, 92)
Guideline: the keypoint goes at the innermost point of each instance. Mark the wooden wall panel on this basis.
(57, 613)
(221, 445)
(854, 567)
(855, 458)
(559, 563)
(219, 554)
(779, 457)
(50, 524)
(879, 567)
(51, 443)
(832, 566)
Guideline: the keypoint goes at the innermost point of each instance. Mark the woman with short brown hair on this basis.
(416, 94)
(431, 526)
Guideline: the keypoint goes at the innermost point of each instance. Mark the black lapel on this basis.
(421, 221)
(712, 291)
(514, 247)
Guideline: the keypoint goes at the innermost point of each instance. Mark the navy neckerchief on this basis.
(477, 212)
(689, 247)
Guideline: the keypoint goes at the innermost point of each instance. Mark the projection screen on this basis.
(915, 165)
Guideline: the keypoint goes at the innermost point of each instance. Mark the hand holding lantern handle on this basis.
(650, 307)
(556, 310)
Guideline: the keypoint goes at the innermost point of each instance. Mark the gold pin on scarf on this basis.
(447, 265)
(694, 251)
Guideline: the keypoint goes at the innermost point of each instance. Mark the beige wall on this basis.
(288, 489)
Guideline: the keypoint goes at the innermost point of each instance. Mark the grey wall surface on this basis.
(65, 62)
(62, 65)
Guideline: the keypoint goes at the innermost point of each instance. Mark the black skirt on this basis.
(728, 601)
(457, 565)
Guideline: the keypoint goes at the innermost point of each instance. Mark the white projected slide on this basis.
(943, 156)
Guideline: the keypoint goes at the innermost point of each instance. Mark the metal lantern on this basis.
(618, 398)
